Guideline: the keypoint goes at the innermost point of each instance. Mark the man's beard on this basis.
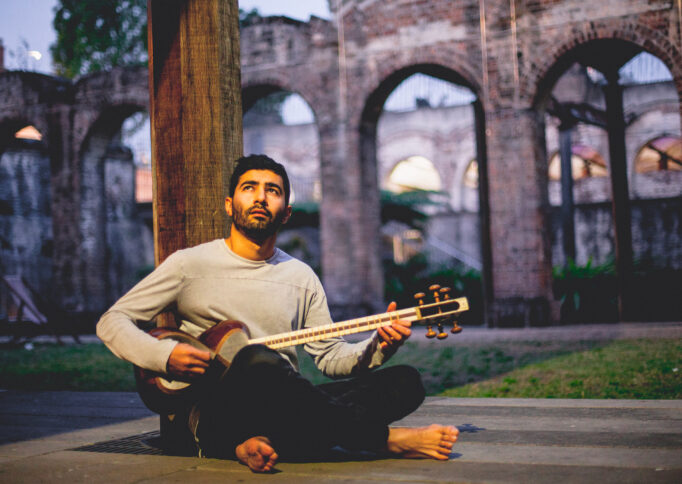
(256, 229)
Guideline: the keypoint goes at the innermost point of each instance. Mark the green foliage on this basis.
(407, 207)
(96, 36)
(587, 293)
(247, 18)
(402, 281)
(637, 369)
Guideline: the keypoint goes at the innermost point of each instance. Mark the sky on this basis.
(31, 21)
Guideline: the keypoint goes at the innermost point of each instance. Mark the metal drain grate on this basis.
(148, 443)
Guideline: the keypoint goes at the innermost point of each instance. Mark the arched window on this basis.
(585, 163)
(471, 175)
(28, 132)
(660, 154)
(414, 173)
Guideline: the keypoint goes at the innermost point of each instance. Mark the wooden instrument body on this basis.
(162, 394)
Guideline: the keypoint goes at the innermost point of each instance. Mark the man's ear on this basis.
(228, 206)
(287, 214)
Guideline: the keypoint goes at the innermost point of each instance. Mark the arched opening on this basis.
(605, 101)
(469, 201)
(26, 242)
(412, 174)
(589, 172)
(272, 119)
(586, 162)
(421, 129)
(657, 169)
(117, 246)
(660, 154)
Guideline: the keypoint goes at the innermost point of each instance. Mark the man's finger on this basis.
(392, 333)
(198, 354)
(403, 330)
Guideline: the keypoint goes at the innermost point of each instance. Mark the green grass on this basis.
(444, 366)
(576, 369)
(637, 369)
(86, 367)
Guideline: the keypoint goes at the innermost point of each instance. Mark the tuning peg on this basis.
(434, 288)
(430, 333)
(441, 334)
(456, 328)
(420, 298)
(445, 291)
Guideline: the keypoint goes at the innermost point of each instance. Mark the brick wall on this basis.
(346, 76)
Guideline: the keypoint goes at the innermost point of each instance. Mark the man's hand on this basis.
(394, 335)
(187, 362)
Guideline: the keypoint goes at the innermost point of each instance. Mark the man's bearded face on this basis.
(257, 222)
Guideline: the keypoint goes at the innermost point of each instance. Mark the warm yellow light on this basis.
(35, 54)
(414, 173)
(28, 132)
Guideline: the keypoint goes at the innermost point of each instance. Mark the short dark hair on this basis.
(259, 162)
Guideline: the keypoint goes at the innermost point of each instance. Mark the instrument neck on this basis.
(352, 326)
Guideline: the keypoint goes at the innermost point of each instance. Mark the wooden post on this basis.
(196, 117)
(621, 195)
(484, 214)
(567, 204)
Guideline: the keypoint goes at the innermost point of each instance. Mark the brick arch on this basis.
(443, 64)
(256, 88)
(393, 70)
(120, 85)
(545, 75)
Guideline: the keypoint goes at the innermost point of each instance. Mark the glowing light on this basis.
(35, 54)
(29, 132)
(414, 173)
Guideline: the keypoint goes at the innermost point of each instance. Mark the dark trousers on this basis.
(262, 395)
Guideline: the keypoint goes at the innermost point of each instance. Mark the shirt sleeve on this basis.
(336, 357)
(119, 328)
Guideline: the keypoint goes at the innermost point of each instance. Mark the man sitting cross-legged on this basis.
(262, 408)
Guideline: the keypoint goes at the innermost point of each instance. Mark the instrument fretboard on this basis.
(343, 328)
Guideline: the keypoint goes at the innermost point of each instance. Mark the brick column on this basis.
(349, 225)
(521, 255)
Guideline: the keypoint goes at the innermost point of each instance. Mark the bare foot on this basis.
(432, 442)
(257, 453)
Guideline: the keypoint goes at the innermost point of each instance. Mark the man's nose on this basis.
(260, 195)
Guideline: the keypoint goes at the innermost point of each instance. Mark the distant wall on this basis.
(25, 214)
(656, 233)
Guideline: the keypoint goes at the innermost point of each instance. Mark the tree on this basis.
(98, 35)
(94, 36)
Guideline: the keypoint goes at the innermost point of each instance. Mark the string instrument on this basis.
(162, 394)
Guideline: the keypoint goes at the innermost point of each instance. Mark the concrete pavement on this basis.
(501, 440)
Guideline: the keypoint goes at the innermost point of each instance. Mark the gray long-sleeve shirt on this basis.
(209, 283)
